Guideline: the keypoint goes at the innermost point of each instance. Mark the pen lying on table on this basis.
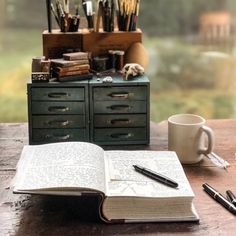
(156, 176)
(219, 198)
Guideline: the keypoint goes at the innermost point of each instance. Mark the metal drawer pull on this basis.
(61, 123)
(120, 107)
(121, 135)
(58, 108)
(119, 95)
(120, 121)
(59, 137)
(58, 95)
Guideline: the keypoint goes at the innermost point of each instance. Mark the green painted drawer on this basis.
(55, 121)
(117, 135)
(120, 107)
(120, 120)
(58, 108)
(119, 93)
(59, 135)
(58, 94)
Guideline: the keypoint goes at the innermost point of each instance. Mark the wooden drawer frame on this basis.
(116, 113)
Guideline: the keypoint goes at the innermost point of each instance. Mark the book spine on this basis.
(70, 63)
(72, 68)
(74, 58)
(79, 72)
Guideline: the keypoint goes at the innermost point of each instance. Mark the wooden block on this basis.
(99, 43)
(56, 43)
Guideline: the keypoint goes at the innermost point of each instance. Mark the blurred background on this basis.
(191, 46)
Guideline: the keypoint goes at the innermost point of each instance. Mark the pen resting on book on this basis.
(156, 176)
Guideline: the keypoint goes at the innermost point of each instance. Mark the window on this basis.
(191, 47)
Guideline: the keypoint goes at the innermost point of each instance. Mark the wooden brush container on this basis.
(98, 43)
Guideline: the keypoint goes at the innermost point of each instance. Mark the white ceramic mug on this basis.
(186, 137)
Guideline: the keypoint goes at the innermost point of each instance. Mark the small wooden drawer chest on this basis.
(119, 111)
(114, 113)
(58, 112)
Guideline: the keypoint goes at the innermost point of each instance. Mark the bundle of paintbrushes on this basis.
(127, 14)
(104, 9)
(88, 12)
(107, 11)
(66, 21)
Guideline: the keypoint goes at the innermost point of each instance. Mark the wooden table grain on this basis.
(24, 215)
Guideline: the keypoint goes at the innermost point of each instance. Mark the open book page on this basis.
(61, 165)
(123, 180)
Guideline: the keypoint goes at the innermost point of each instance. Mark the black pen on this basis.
(48, 5)
(156, 176)
(219, 198)
(231, 197)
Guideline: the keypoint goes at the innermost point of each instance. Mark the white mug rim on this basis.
(171, 121)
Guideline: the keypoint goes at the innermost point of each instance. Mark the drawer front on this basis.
(120, 107)
(119, 93)
(66, 121)
(58, 108)
(117, 135)
(121, 120)
(59, 135)
(58, 94)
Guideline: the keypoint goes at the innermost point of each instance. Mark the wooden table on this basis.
(36, 215)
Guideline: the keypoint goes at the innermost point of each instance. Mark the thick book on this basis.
(70, 78)
(74, 72)
(72, 68)
(77, 168)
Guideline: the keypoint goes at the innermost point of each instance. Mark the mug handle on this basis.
(210, 135)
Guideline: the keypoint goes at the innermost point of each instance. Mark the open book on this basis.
(76, 168)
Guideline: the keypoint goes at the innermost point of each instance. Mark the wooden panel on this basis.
(59, 108)
(58, 135)
(56, 43)
(122, 120)
(57, 94)
(120, 107)
(116, 135)
(100, 43)
(119, 93)
(55, 121)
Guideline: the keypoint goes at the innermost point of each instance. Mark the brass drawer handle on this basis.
(58, 108)
(58, 95)
(120, 107)
(119, 95)
(62, 123)
(121, 135)
(120, 121)
(58, 137)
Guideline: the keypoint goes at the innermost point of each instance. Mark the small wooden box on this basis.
(56, 43)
